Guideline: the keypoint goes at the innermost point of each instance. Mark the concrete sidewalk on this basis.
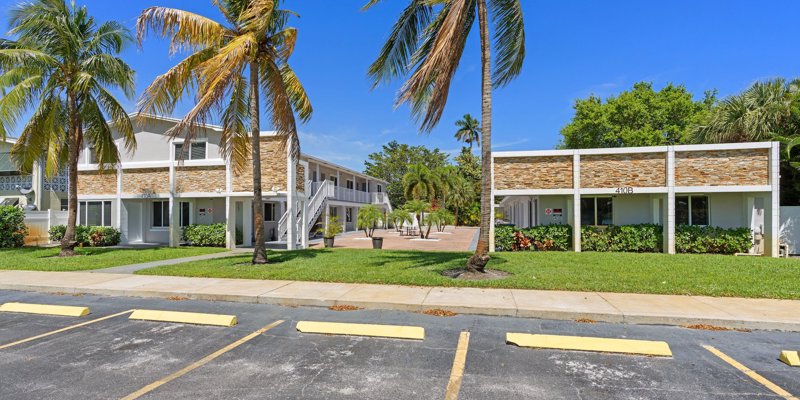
(131, 268)
(559, 305)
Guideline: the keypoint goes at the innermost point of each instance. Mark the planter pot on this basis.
(328, 242)
(377, 243)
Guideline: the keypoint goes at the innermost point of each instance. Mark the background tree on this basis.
(418, 208)
(447, 178)
(638, 117)
(469, 131)
(420, 183)
(393, 162)
(231, 68)
(59, 70)
(429, 38)
(462, 195)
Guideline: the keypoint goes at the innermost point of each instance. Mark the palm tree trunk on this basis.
(259, 247)
(478, 261)
(456, 217)
(74, 142)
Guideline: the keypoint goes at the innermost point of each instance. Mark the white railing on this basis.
(380, 198)
(341, 193)
(317, 202)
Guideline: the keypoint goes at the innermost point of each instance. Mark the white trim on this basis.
(97, 197)
(723, 146)
(576, 201)
(636, 190)
(184, 195)
(669, 246)
(774, 179)
(723, 189)
(624, 150)
(630, 150)
(533, 192)
(532, 153)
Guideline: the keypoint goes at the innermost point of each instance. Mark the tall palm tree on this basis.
(420, 183)
(232, 66)
(462, 194)
(58, 73)
(469, 131)
(427, 42)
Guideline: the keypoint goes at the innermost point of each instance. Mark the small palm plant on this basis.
(418, 208)
(368, 218)
(398, 217)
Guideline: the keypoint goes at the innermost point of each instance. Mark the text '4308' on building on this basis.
(726, 185)
(167, 184)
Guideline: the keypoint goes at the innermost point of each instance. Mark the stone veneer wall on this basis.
(199, 179)
(547, 172)
(617, 170)
(273, 168)
(300, 183)
(722, 167)
(96, 182)
(138, 181)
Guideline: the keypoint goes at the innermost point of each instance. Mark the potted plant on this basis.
(368, 218)
(334, 228)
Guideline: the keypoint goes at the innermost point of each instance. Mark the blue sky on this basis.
(574, 47)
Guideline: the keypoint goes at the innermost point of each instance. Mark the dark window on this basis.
(196, 151)
(380, 188)
(597, 211)
(160, 214)
(691, 210)
(185, 213)
(349, 184)
(269, 212)
(94, 213)
(106, 213)
(349, 214)
(64, 204)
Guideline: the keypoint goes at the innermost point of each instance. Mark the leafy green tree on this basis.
(639, 117)
(420, 183)
(368, 218)
(398, 217)
(232, 66)
(58, 72)
(447, 178)
(462, 195)
(469, 131)
(426, 45)
(393, 161)
(418, 208)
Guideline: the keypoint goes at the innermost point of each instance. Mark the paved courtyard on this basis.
(265, 357)
(452, 239)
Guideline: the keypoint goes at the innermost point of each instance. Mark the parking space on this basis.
(261, 357)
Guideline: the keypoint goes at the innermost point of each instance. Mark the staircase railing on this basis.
(314, 208)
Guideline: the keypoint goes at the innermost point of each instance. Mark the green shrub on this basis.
(543, 237)
(639, 238)
(208, 235)
(12, 227)
(712, 239)
(95, 236)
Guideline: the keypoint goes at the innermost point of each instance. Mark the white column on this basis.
(174, 228)
(247, 221)
(291, 184)
(230, 223)
(576, 202)
(304, 225)
(491, 209)
(119, 201)
(775, 209)
(669, 229)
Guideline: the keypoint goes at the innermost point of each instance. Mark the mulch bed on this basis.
(462, 274)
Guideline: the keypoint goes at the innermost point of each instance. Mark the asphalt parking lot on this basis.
(118, 357)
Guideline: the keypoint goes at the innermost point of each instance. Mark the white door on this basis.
(134, 220)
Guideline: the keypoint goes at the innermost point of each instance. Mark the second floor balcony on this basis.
(346, 194)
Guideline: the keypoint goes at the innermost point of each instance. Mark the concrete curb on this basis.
(344, 294)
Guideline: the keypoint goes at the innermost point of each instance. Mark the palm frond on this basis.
(256, 17)
(509, 40)
(44, 133)
(161, 96)
(297, 93)
(17, 101)
(186, 30)
(236, 126)
(284, 42)
(394, 59)
(278, 104)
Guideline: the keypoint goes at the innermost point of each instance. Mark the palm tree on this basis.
(420, 183)
(463, 193)
(418, 208)
(429, 38)
(469, 131)
(58, 73)
(232, 67)
(448, 178)
(762, 112)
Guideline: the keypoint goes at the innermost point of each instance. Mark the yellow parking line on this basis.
(752, 374)
(197, 364)
(459, 362)
(45, 309)
(5, 346)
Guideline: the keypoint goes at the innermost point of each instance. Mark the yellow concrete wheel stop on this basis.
(595, 344)
(385, 331)
(790, 358)
(184, 317)
(45, 309)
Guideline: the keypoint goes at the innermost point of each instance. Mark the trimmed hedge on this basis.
(541, 238)
(12, 227)
(640, 238)
(208, 235)
(712, 239)
(94, 236)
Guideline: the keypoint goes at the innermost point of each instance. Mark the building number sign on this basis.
(624, 190)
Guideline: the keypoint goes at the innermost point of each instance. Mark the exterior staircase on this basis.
(314, 208)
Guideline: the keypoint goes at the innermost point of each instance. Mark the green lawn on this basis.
(46, 259)
(712, 275)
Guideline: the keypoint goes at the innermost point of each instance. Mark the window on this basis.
(348, 214)
(64, 204)
(380, 188)
(93, 213)
(196, 151)
(691, 210)
(335, 181)
(597, 211)
(92, 155)
(349, 184)
(161, 214)
(185, 213)
(313, 176)
(269, 212)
